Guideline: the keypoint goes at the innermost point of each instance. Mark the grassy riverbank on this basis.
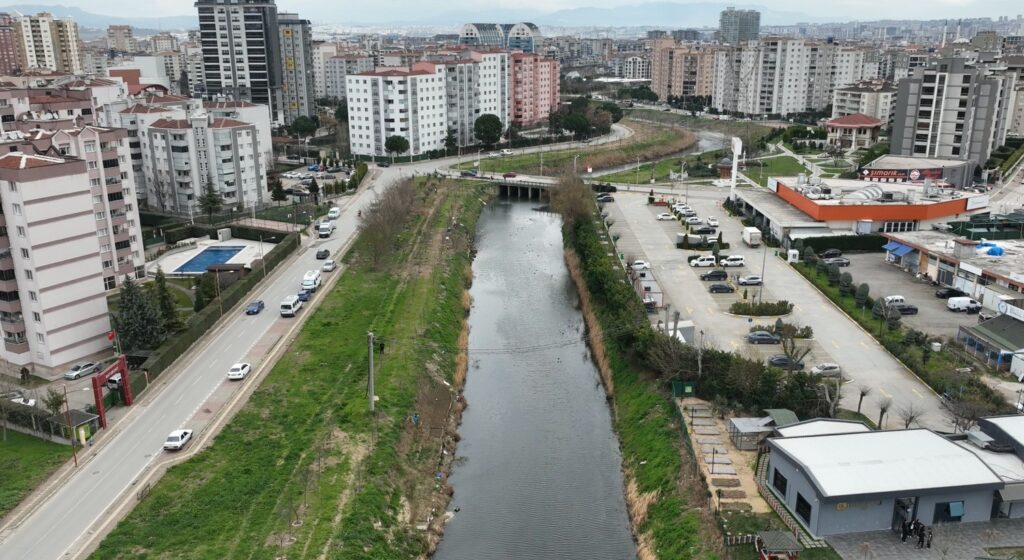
(298, 472)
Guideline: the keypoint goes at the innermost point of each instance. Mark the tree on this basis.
(572, 199)
(451, 141)
(555, 119)
(314, 189)
(206, 290)
(836, 153)
(54, 401)
(165, 302)
(809, 256)
(793, 352)
(5, 403)
(487, 129)
(846, 284)
(138, 322)
(861, 297)
(833, 275)
(277, 193)
(883, 407)
(396, 145)
(210, 201)
(577, 124)
(830, 393)
(612, 109)
(863, 391)
(341, 113)
(909, 413)
(303, 126)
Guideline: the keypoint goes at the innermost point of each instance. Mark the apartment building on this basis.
(535, 87)
(322, 52)
(120, 38)
(682, 71)
(1017, 117)
(476, 84)
(338, 68)
(875, 98)
(952, 109)
(49, 43)
(10, 46)
(296, 93)
(163, 42)
(736, 26)
(635, 67)
(181, 156)
(409, 102)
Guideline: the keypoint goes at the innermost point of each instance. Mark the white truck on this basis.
(326, 229)
(752, 236)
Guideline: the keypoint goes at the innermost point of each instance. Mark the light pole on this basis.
(638, 171)
(542, 162)
(576, 157)
(764, 259)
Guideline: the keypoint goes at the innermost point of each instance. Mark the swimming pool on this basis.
(211, 255)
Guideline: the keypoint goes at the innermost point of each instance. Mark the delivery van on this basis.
(967, 304)
(290, 306)
(311, 281)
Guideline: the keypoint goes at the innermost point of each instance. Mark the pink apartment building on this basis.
(535, 88)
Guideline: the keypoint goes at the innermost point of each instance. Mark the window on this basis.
(37, 317)
(90, 147)
(39, 337)
(12, 186)
(97, 199)
(803, 508)
(105, 247)
(101, 215)
(109, 283)
(17, 209)
(92, 165)
(28, 274)
(21, 231)
(946, 512)
(94, 183)
(32, 296)
(780, 483)
(24, 253)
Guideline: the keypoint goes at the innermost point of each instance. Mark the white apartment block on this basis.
(181, 156)
(395, 102)
(49, 43)
(322, 51)
(296, 92)
(632, 67)
(477, 85)
(163, 42)
(875, 98)
(338, 68)
(1017, 117)
(256, 115)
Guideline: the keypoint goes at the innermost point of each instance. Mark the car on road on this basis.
(665, 216)
(783, 361)
(711, 221)
(838, 261)
(640, 265)
(750, 280)
(383, 164)
(509, 175)
(605, 198)
(946, 293)
(322, 254)
(255, 307)
(468, 173)
(692, 221)
(763, 337)
(732, 260)
(239, 371)
(827, 369)
(177, 439)
(830, 254)
(721, 289)
(704, 230)
(81, 370)
(304, 295)
(715, 275)
(329, 265)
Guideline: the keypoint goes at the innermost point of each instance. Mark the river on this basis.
(538, 470)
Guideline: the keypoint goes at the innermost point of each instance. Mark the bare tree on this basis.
(884, 405)
(965, 412)
(671, 358)
(793, 352)
(830, 392)
(909, 413)
(384, 220)
(572, 199)
(864, 391)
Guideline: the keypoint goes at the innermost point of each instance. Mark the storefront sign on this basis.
(901, 174)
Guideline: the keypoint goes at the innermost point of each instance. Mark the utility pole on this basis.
(369, 386)
(668, 325)
(67, 418)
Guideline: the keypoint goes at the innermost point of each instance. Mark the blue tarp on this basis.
(902, 250)
(891, 245)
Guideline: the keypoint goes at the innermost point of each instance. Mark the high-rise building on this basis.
(535, 88)
(735, 26)
(688, 35)
(952, 109)
(523, 36)
(875, 98)
(163, 42)
(10, 46)
(50, 43)
(682, 71)
(120, 38)
(296, 93)
(338, 68)
(241, 55)
(476, 84)
(322, 51)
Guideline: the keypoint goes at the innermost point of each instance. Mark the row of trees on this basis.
(584, 118)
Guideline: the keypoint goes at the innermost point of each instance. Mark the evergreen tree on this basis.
(138, 321)
(277, 193)
(206, 291)
(210, 201)
(314, 189)
(165, 302)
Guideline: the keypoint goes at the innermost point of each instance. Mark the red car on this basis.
(509, 175)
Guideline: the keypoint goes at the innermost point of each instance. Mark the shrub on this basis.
(761, 309)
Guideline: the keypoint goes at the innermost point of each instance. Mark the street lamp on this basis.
(638, 171)
(576, 157)
(764, 259)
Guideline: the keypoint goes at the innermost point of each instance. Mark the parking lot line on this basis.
(884, 392)
(919, 395)
(689, 310)
(836, 344)
(863, 344)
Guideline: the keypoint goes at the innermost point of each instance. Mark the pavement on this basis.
(959, 541)
(836, 337)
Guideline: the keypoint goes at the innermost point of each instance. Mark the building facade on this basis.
(10, 46)
(297, 97)
(121, 39)
(682, 71)
(477, 84)
(409, 102)
(338, 68)
(50, 43)
(875, 98)
(163, 42)
(522, 36)
(322, 52)
(736, 26)
(535, 88)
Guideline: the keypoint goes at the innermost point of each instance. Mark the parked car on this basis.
(688, 214)
(713, 222)
(679, 207)
(902, 308)
(383, 164)
(963, 303)
(692, 220)
(640, 265)
(946, 293)
(606, 198)
(732, 260)
(665, 216)
(304, 295)
(255, 307)
(750, 280)
(329, 265)
(468, 173)
(830, 254)
(24, 401)
(506, 152)
(715, 275)
(704, 230)
(763, 337)
(322, 254)
(721, 289)
(239, 371)
(704, 260)
(509, 175)
(81, 370)
(177, 440)
(838, 261)
(783, 361)
(827, 369)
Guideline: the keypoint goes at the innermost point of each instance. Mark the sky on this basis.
(324, 11)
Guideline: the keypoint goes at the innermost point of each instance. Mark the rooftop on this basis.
(1004, 330)
(780, 211)
(1009, 265)
(143, 108)
(854, 192)
(822, 426)
(1012, 426)
(19, 160)
(886, 461)
(856, 120)
(227, 104)
(904, 162)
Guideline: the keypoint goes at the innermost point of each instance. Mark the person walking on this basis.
(928, 540)
(904, 529)
(920, 538)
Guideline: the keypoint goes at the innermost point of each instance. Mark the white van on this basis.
(290, 306)
(706, 260)
(963, 304)
(311, 281)
(889, 300)
(733, 260)
(506, 152)
(325, 229)
(334, 213)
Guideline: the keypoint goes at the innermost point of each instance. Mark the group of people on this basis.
(917, 530)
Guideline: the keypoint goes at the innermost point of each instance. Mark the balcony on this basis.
(15, 347)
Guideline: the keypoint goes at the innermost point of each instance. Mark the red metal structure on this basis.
(100, 380)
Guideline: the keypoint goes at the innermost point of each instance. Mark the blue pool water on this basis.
(211, 255)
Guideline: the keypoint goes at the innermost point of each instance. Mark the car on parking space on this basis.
(81, 370)
(721, 289)
(963, 303)
(688, 213)
(763, 337)
(750, 280)
(704, 260)
(383, 164)
(902, 308)
(704, 230)
(783, 361)
(329, 265)
(830, 254)
(322, 254)
(712, 221)
(255, 307)
(692, 220)
(680, 207)
(732, 260)
(827, 369)
(468, 173)
(946, 293)
(665, 216)
(177, 439)
(509, 175)
(605, 197)
(838, 261)
(715, 275)
(640, 265)
(239, 371)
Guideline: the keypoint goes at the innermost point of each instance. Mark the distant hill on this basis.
(665, 14)
(101, 21)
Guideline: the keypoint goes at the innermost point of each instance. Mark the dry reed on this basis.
(594, 331)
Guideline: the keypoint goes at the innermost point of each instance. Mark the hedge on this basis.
(868, 242)
(761, 309)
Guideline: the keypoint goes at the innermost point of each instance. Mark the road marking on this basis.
(919, 395)
(836, 344)
(735, 345)
(689, 311)
(884, 392)
(863, 344)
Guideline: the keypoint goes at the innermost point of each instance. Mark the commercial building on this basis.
(50, 43)
(1017, 117)
(121, 39)
(523, 36)
(535, 88)
(10, 46)
(874, 98)
(295, 39)
(952, 109)
(251, 69)
(736, 26)
(338, 68)
(682, 71)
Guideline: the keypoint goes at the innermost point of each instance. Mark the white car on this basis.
(239, 371)
(24, 400)
(640, 265)
(329, 265)
(713, 222)
(751, 280)
(692, 221)
(666, 216)
(827, 369)
(680, 206)
(733, 260)
(177, 439)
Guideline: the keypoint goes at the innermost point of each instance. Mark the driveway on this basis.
(961, 541)
(837, 338)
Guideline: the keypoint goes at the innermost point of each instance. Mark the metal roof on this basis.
(885, 462)
(782, 416)
(1003, 330)
(822, 426)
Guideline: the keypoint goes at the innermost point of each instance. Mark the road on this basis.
(57, 526)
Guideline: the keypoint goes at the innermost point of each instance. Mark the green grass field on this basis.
(661, 168)
(26, 462)
(782, 166)
(749, 131)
